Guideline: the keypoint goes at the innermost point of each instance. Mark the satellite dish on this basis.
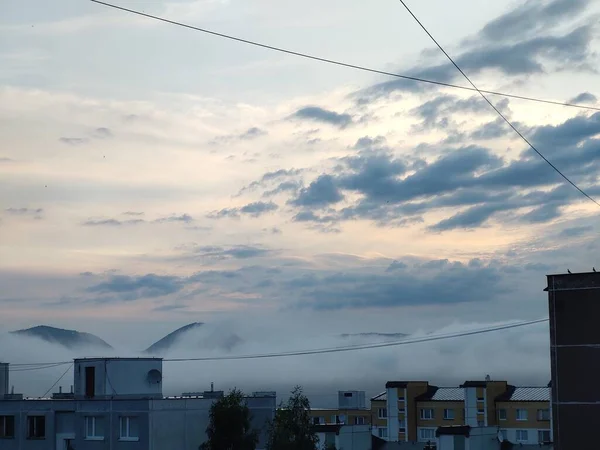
(154, 376)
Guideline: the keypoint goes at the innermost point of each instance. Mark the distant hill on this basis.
(164, 344)
(70, 339)
(384, 336)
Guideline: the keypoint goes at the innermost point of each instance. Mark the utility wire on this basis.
(361, 347)
(482, 93)
(351, 347)
(340, 63)
(57, 381)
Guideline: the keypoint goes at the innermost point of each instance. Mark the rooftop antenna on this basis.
(212, 386)
(487, 378)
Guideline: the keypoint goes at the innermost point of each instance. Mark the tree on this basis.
(292, 428)
(229, 427)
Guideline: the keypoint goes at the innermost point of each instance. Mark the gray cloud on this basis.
(270, 177)
(255, 209)
(530, 18)
(286, 186)
(249, 134)
(492, 130)
(128, 288)
(529, 56)
(584, 97)
(6, 160)
(320, 192)
(73, 140)
(133, 213)
(318, 114)
(574, 232)
(396, 265)
(24, 211)
(217, 252)
(183, 218)
(103, 133)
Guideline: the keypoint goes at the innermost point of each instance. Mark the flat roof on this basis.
(117, 359)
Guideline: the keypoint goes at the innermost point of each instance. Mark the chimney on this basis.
(60, 389)
(71, 389)
(212, 387)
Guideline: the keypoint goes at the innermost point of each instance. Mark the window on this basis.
(543, 414)
(382, 413)
(501, 414)
(347, 394)
(129, 428)
(401, 398)
(504, 434)
(543, 436)
(480, 411)
(427, 414)
(7, 427)
(448, 414)
(94, 428)
(359, 420)
(480, 398)
(522, 436)
(338, 419)
(401, 410)
(382, 433)
(402, 426)
(36, 427)
(318, 420)
(481, 423)
(521, 414)
(426, 434)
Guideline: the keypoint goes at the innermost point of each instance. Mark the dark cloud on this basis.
(286, 186)
(24, 211)
(169, 308)
(73, 140)
(396, 265)
(584, 97)
(574, 232)
(255, 209)
(129, 288)
(183, 218)
(270, 177)
(111, 222)
(103, 133)
(530, 18)
(323, 115)
(492, 130)
(435, 113)
(217, 252)
(471, 182)
(321, 192)
(528, 56)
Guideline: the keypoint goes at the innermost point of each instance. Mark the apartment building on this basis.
(416, 411)
(379, 416)
(573, 303)
(116, 404)
(351, 410)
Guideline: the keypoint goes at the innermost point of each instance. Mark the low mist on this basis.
(519, 355)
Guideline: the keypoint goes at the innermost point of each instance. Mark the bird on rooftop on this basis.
(594, 269)
(568, 271)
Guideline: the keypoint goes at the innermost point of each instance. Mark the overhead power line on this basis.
(363, 346)
(340, 63)
(346, 348)
(482, 93)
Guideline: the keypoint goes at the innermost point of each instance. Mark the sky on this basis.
(152, 176)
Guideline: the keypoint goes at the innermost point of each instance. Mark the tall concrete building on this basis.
(574, 306)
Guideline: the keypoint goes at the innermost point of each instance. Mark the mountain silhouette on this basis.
(163, 345)
(70, 339)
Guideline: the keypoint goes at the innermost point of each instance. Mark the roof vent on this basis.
(154, 376)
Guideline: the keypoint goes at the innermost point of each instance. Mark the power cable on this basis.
(361, 347)
(57, 381)
(482, 93)
(340, 63)
(351, 347)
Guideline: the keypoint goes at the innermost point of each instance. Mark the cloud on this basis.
(533, 55)
(584, 97)
(235, 252)
(492, 130)
(6, 160)
(396, 265)
(73, 140)
(572, 232)
(270, 177)
(321, 192)
(111, 222)
(318, 114)
(530, 18)
(255, 209)
(128, 288)
(103, 133)
(24, 211)
(435, 112)
(249, 134)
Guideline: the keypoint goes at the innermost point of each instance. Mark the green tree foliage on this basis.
(292, 428)
(229, 427)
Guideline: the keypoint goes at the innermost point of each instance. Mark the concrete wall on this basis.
(356, 437)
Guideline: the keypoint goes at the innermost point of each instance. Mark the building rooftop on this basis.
(449, 394)
(380, 397)
(525, 394)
